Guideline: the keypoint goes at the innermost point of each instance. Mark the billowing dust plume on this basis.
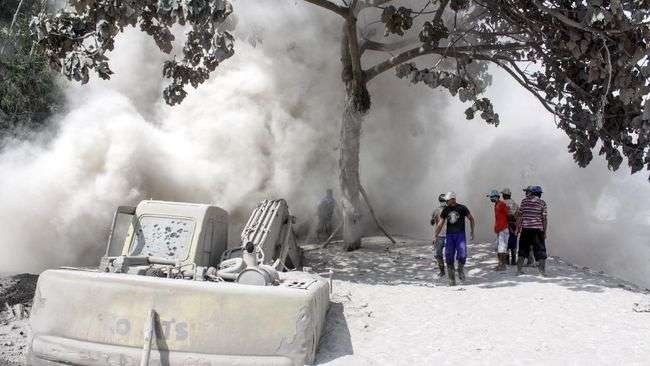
(267, 125)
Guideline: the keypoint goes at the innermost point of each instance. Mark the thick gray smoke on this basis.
(266, 125)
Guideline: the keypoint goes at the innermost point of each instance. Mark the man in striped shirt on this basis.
(532, 225)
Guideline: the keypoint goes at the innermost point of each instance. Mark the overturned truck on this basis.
(169, 292)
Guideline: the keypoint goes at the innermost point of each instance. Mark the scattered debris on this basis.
(641, 308)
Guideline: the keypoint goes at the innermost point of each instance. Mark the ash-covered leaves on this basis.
(433, 32)
(76, 39)
(458, 5)
(464, 84)
(597, 77)
(484, 106)
(588, 62)
(396, 20)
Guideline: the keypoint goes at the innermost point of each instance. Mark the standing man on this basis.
(439, 240)
(501, 229)
(325, 214)
(513, 209)
(530, 258)
(453, 216)
(532, 225)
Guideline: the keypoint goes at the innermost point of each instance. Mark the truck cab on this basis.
(160, 232)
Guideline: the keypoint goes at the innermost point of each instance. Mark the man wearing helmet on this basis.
(453, 217)
(532, 225)
(439, 240)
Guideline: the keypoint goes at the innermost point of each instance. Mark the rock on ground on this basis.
(389, 310)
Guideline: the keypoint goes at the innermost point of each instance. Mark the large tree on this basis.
(29, 93)
(585, 61)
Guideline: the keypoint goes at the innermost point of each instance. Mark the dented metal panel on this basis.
(194, 317)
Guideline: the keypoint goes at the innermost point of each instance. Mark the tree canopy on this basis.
(587, 62)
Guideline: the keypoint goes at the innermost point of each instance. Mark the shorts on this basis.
(439, 246)
(502, 241)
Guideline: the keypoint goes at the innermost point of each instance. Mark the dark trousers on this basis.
(532, 239)
(455, 245)
(324, 227)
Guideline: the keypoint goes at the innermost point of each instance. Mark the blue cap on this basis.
(493, 193)
(536, 189)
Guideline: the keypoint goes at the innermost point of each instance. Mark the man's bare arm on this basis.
(439, 226)
(471, 225)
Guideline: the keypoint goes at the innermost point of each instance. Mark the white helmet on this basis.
(450, 195)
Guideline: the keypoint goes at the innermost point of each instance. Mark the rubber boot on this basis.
(441, 267)
(531, 260)
(520, 265)
(503, 261)
(541, 264)
(461, 272)
(452, 275)
(499, 260)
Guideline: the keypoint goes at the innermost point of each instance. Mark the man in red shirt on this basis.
(501, 229)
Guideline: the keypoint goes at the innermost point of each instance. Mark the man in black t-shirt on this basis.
(455, 242)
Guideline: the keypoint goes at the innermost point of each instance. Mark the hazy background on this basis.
(267, 125)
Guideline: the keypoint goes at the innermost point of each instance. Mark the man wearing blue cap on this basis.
(532, 225)
(500, 229)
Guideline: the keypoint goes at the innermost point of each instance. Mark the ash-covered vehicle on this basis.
(169, 292)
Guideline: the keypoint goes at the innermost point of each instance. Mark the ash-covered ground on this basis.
(16, 294)
(387, 309)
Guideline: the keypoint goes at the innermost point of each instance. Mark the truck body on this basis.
(158, 296)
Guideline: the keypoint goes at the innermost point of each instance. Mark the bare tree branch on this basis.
(603, 99)
(570, 22)
(440, 10)
(372, 3)
(353, 44)
(386, 47)
(342, 11)
(13, 22)
(374, 217)
(426, 50)
(526, 84)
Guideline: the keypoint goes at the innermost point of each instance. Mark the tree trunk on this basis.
(357, 104)
(349, 173)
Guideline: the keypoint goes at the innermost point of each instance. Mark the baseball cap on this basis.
(450, 195)
(506, 191)
(536, 189)
(493, 193)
